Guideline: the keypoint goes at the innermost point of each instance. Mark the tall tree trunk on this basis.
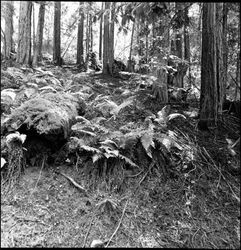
(209, 93)
(225, 47)
(146, 26)
(8, 45)
(91, 33)
(39, 37)
(87, 35)
(24, 37)
(57, 30)
(111, 39)
(33, 25)
(80, 39)
(130, 64)
(187, 44)
(237, 87)
(3, 37)
(106, 38)
(101, 29)
(219, 48)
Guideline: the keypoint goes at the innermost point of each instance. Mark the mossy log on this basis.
(46, 119)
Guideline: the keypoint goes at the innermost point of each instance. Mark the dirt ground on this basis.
(199, 208)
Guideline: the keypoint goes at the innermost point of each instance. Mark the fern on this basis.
(128, 161)
(90, 149)
(147, 142)
(163, 116)
(108, 106)
(117, 109)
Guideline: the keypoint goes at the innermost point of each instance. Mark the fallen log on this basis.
(46, 120)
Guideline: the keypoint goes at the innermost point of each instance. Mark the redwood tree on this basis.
(220, 53)
(106, 38)
(24, 37)
(111, 38)
(57, 42)
(39, 37)
(80, 36)
(8, 40)
(101, 31)
(209, 92)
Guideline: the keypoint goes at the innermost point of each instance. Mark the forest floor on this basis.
(198, 208)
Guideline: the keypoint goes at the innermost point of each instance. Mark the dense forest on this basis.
(120, 124)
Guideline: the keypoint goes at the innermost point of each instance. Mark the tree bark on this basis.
(87, 35)
(187, 49)
(219, 48)
(130, 65)
(147, 58)
(209, 93)
(91, 33)
(111, 39)
(8, 44)
(33, 25)
(57, 38)
(106, 38)
(39, 37)
(101, 29)
(80, 39)
(24, 39)
(225, 47)
(237, 87)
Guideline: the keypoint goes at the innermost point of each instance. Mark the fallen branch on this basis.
(123, 212)
(73, 182)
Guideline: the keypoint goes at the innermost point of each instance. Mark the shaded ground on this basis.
(198, 208)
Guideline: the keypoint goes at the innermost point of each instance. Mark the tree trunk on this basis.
(80, 39)
(8, 45)
(225, 48)
(106, 38)
(91, 33)
(33, 25)
(24, 38)
(87, 35)
(111, 39)
(237, 87)
(100, 41)
(209, 93)
(147, 42)
(39, 37)
(219, 48)
(130, 64)
(57, 30)
(3, 37)
(187, 44)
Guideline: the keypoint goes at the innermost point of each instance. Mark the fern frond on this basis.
(90, 149)
(163, 114)
(109, 152)
(169, 141)
(97, 120)
(82, 119)
(96, 157)
(83, 128)
(117, 109)
(128, 161)
(109, 143)
(147, 142)
(174, 115)
(86, 132)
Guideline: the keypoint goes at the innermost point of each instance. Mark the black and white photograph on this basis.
(120, 124)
